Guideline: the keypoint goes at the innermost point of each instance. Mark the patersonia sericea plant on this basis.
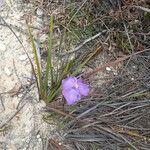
(73, 89)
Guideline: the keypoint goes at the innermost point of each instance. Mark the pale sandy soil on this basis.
(26, 130)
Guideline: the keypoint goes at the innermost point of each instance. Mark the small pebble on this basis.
(17, 33)
(134, 67)
(41, 104)
(136, 21)
(38, 136)
(39, 139)
(108, 68)
(8, 71)
(115, 73)
(23, 57)
(39, 12)
(20, 95)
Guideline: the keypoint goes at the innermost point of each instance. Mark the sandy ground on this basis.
(19, 112)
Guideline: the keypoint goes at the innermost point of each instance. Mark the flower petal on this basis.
(83, 88)
(68, 83)
(71, 96)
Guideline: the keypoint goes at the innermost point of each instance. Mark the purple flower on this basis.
(73, 89)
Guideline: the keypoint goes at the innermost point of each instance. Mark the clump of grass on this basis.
(49, 83)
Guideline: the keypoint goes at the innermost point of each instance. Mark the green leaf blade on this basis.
(49, 67)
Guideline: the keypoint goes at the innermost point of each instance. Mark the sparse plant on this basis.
(48, 86)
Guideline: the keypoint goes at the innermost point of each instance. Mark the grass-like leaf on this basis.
(85, 61)
(39, 72)
(49, 67)
(65, 70)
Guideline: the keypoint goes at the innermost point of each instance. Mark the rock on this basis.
(41, 104)
(108, 68)
(39, 12)
(8, 71)
(115, 73)
(136, 21)
(39, 139)
(134, 67)
(23, 57)
(20, 95)
(18, 34)
(38, 136)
